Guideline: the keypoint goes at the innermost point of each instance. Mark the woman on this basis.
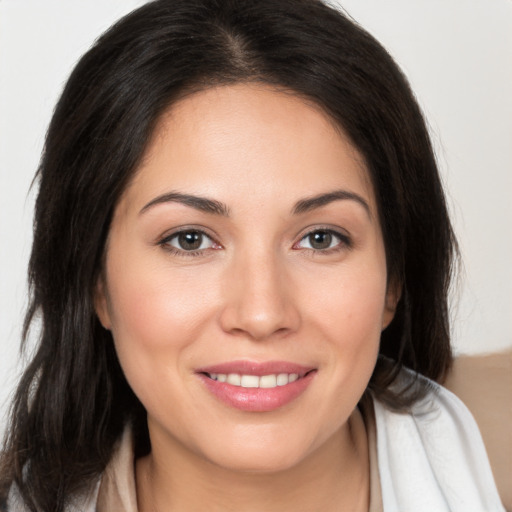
(241, 244)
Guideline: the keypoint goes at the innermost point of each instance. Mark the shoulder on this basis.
(433, 457)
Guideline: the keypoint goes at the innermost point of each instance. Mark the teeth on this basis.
(250, 381)
(282, 379)
(234, 378)
(253, 381)
(268, 381)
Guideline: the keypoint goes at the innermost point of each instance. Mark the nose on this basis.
(259, 299)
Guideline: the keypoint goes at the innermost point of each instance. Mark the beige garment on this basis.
(368, 413)
(118, 492)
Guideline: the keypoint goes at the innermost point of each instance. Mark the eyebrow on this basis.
(212, 206)
(202, 204)
(311, 203)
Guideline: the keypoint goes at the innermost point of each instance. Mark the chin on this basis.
(267, 461)
(261, 454)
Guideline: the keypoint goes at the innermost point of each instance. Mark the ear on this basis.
(101, 303)
(393, 294)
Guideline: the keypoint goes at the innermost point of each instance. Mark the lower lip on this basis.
(257, 399)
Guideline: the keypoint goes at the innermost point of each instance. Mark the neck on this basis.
(333, 477)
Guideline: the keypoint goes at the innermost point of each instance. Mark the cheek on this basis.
(156, 316)
(351, 304)
(348, 313)
(150, 306)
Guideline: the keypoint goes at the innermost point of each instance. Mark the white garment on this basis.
(434, 459)
(430, 460)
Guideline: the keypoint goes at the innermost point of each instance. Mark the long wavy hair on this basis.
(73, 400)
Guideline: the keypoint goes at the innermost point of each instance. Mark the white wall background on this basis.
(457, 55)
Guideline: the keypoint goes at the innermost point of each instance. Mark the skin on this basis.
(257, 291)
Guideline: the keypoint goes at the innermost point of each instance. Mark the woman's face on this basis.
(247, 251)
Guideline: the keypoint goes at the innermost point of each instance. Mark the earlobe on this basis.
(393, 294)
(101, 304)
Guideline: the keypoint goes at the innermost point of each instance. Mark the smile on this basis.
(254, 381)
(256, 387)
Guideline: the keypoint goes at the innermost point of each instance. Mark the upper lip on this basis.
(256, 368)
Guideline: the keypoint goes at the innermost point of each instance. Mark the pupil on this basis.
(190, 240)
(320, 240)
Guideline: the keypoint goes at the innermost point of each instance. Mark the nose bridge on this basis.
(258, 299)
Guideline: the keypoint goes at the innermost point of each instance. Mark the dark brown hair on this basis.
(73, 400)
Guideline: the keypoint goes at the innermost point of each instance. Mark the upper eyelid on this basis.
(185, 229)
(330, 229)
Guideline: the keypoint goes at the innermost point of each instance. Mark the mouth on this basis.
(269, 381)
(256, 387)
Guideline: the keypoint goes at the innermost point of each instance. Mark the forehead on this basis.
(245, 141)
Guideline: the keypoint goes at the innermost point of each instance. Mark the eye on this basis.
(323, 240)
(189, 241)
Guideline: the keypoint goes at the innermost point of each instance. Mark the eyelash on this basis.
(165, 243)
(344, 242)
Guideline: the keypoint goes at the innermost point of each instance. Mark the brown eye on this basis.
(189, 241)
(323, 240)
(320, 240)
